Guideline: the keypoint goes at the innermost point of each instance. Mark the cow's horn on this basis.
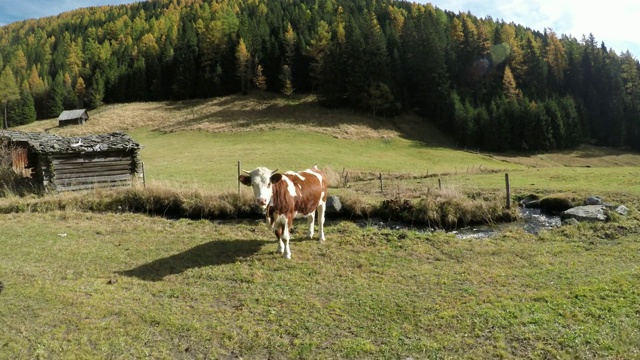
(274, 171)
(246, 172)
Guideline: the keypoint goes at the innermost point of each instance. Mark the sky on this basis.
(16, 10)
(612, 22)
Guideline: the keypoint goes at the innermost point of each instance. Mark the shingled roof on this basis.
(72, 114)
(54, 144)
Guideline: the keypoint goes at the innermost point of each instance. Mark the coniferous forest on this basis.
(490, 84)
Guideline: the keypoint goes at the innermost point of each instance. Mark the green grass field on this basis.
(88, 285)
(81, 285)
(211, 159)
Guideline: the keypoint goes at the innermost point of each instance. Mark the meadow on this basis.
(86, 281)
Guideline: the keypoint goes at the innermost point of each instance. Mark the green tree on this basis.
(55, 97)
(464, 122)
(369, 63)
(243, 63)
(96, 91)
(287, 85)
(379, 100)
(535, 75)
(69, 98)
(317, 50)
(8, 90)
(630, 76)
(556, 58)
(22, 111)
(424, 80)
(259, 80)
(332, 84)
(506, 36)
(509, 86)
(80, 91)
(571, 114)
(289, 44)
(186, 62)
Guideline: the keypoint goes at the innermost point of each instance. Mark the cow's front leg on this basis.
(310, 221)
(279, 232)
(286, 236)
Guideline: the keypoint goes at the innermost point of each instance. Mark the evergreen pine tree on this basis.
(69, 98)
(186, 63)
(22, 111)
(96, 92)
(9, 91)
(287, 84)
(55, 96)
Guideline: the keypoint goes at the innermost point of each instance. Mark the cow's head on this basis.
(261, 179)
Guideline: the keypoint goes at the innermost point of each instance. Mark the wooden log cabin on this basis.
(61, 164)
(73, 117)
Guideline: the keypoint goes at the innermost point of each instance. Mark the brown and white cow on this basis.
(283, 197)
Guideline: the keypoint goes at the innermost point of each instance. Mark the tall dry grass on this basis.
(444, 209)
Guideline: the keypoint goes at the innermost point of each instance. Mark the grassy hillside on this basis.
(199, 143)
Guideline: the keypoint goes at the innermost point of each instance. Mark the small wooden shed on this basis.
(74, 163)
(73, 117)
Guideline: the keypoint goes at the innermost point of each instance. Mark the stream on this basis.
(531, 220)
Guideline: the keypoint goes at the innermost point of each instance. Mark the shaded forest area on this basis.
(490, 84)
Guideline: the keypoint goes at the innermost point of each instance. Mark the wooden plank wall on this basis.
(72, 172)
(20, 161)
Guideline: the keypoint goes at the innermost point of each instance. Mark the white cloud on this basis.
(611, 22)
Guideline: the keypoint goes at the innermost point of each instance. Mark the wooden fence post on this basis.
(506, 180)
(439, 184)
(239, 165)
(144, 180)
(381, 187)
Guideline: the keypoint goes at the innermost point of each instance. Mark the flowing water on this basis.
(531, 220)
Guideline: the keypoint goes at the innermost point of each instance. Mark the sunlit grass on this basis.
(212, 159)
(90, 285)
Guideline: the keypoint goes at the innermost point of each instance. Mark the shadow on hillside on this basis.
(242, 112)
(213, 253)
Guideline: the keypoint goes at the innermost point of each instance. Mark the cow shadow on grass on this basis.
(213, 253)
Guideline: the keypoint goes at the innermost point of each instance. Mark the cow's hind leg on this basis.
(321, 209)
(310, 220)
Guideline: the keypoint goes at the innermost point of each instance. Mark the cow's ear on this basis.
(275, 178)
(245, 179)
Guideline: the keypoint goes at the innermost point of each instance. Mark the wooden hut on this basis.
(73, 163)
(73, 117)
